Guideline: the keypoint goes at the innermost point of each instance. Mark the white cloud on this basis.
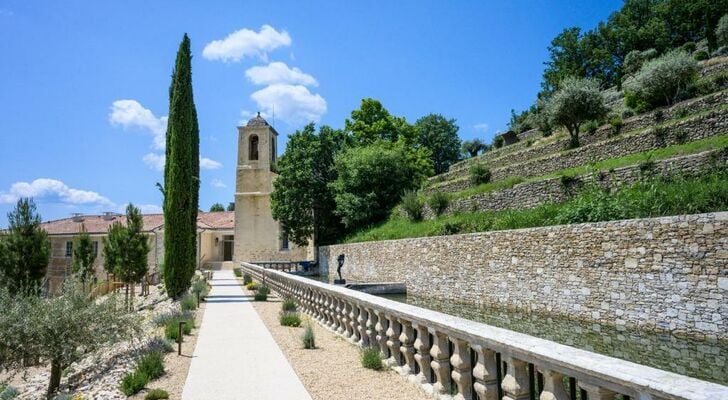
(131, 114)
(218, 183)
(52, 189)
(481, 127)
(294, 104)
(279, 72)
(149, 208)
(247, 43)
(206, 163)
(154, 161)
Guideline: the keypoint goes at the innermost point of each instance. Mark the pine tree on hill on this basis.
(181, 177)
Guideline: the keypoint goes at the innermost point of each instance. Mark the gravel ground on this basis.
(176, 367)
(333, 370)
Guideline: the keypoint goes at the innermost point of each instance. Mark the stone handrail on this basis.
(448, 354)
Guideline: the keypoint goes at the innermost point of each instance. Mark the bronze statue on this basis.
(340, 260)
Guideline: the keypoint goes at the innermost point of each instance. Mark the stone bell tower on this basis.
(257, 234)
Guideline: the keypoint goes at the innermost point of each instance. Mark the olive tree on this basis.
(578, 100)
(59, 330)
(661, 81)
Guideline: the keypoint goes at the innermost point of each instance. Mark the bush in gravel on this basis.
(247, 279)
(160, 344)
(261, 294)
(151, 364)
(479, 174)
(251, 286)
(238, 272)
(370, 359)
(288, 305)
(156, 394)
(163, 318)
(412, 205)
(308, 338)
(188, 303)
(199, 288)
(171, 329)
(133, 382)
(8, 393)
(290, 319)
(439, 202)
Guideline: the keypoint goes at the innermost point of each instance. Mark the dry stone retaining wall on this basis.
(533, 194)
(661, 274)
(700, 127)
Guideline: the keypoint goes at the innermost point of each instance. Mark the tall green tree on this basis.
(473, 147)
(372, 122)
(577, 101)
(217, 207)
(84, 256)
(302, 200)
(440, 136)
(25, 248)
(181, 177)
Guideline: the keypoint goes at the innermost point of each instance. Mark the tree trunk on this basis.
(55, 381)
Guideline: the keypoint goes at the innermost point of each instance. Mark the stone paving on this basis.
(236, 356)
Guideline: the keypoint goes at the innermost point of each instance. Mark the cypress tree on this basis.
(24, 249)
(181, 177)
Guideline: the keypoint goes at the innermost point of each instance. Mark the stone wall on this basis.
(661, 274)
(641, 121)
(533, 194)
(691, 129)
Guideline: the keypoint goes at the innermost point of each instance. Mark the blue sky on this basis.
(84, 84)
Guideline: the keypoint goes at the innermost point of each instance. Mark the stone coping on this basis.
(618, 375)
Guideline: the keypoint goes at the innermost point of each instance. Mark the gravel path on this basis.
(333, 370)
(235, 357)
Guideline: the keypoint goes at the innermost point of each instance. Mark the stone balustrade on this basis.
(455, 358)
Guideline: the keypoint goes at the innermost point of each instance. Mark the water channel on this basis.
(704, 360)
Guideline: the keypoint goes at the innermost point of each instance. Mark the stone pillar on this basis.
(394, 329)
(595, 392)
(407, 338)
(553, 386)
(362, 326)
(485, 373)
(423, 358)
(515, 383)
(462, 374)
(440, 353)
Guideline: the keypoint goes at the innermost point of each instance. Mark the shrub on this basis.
(720, 52)
(370, 359)
(171, 330)
(721, 30)
(163, 318)
(264, 290)
(661, 81)
(188, 303)
(616, 122)
(151, 364)
(412, 205)
(634, 60)
(498, 141)
(479, 174)
(251, 286)
(247, 279)
(8, 393)
(451, 228)
(591, 127)
(288, 305)
(688, 46)
(290, 319)
(156, 394)
(701, 55)
(261, 294)
(160, 344)
(627, 113)
(439, 202)
(199, 288)
(308, 338)
(133, 382)
(238, 272)
(578, 100)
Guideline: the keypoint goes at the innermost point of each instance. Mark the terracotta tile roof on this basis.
(216, 220)
(100, 224)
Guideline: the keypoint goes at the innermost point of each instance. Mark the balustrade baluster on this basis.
(371, 327)
(595, 392)
(485, 374)
(381, 328)
(423, 358)
(352, 330)
(407, 338)
(553, 386)
(332, 314)
(516, 382)
(362, 326)
(440, 353)
(462, 373)
(394, 329)
(341, 321)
